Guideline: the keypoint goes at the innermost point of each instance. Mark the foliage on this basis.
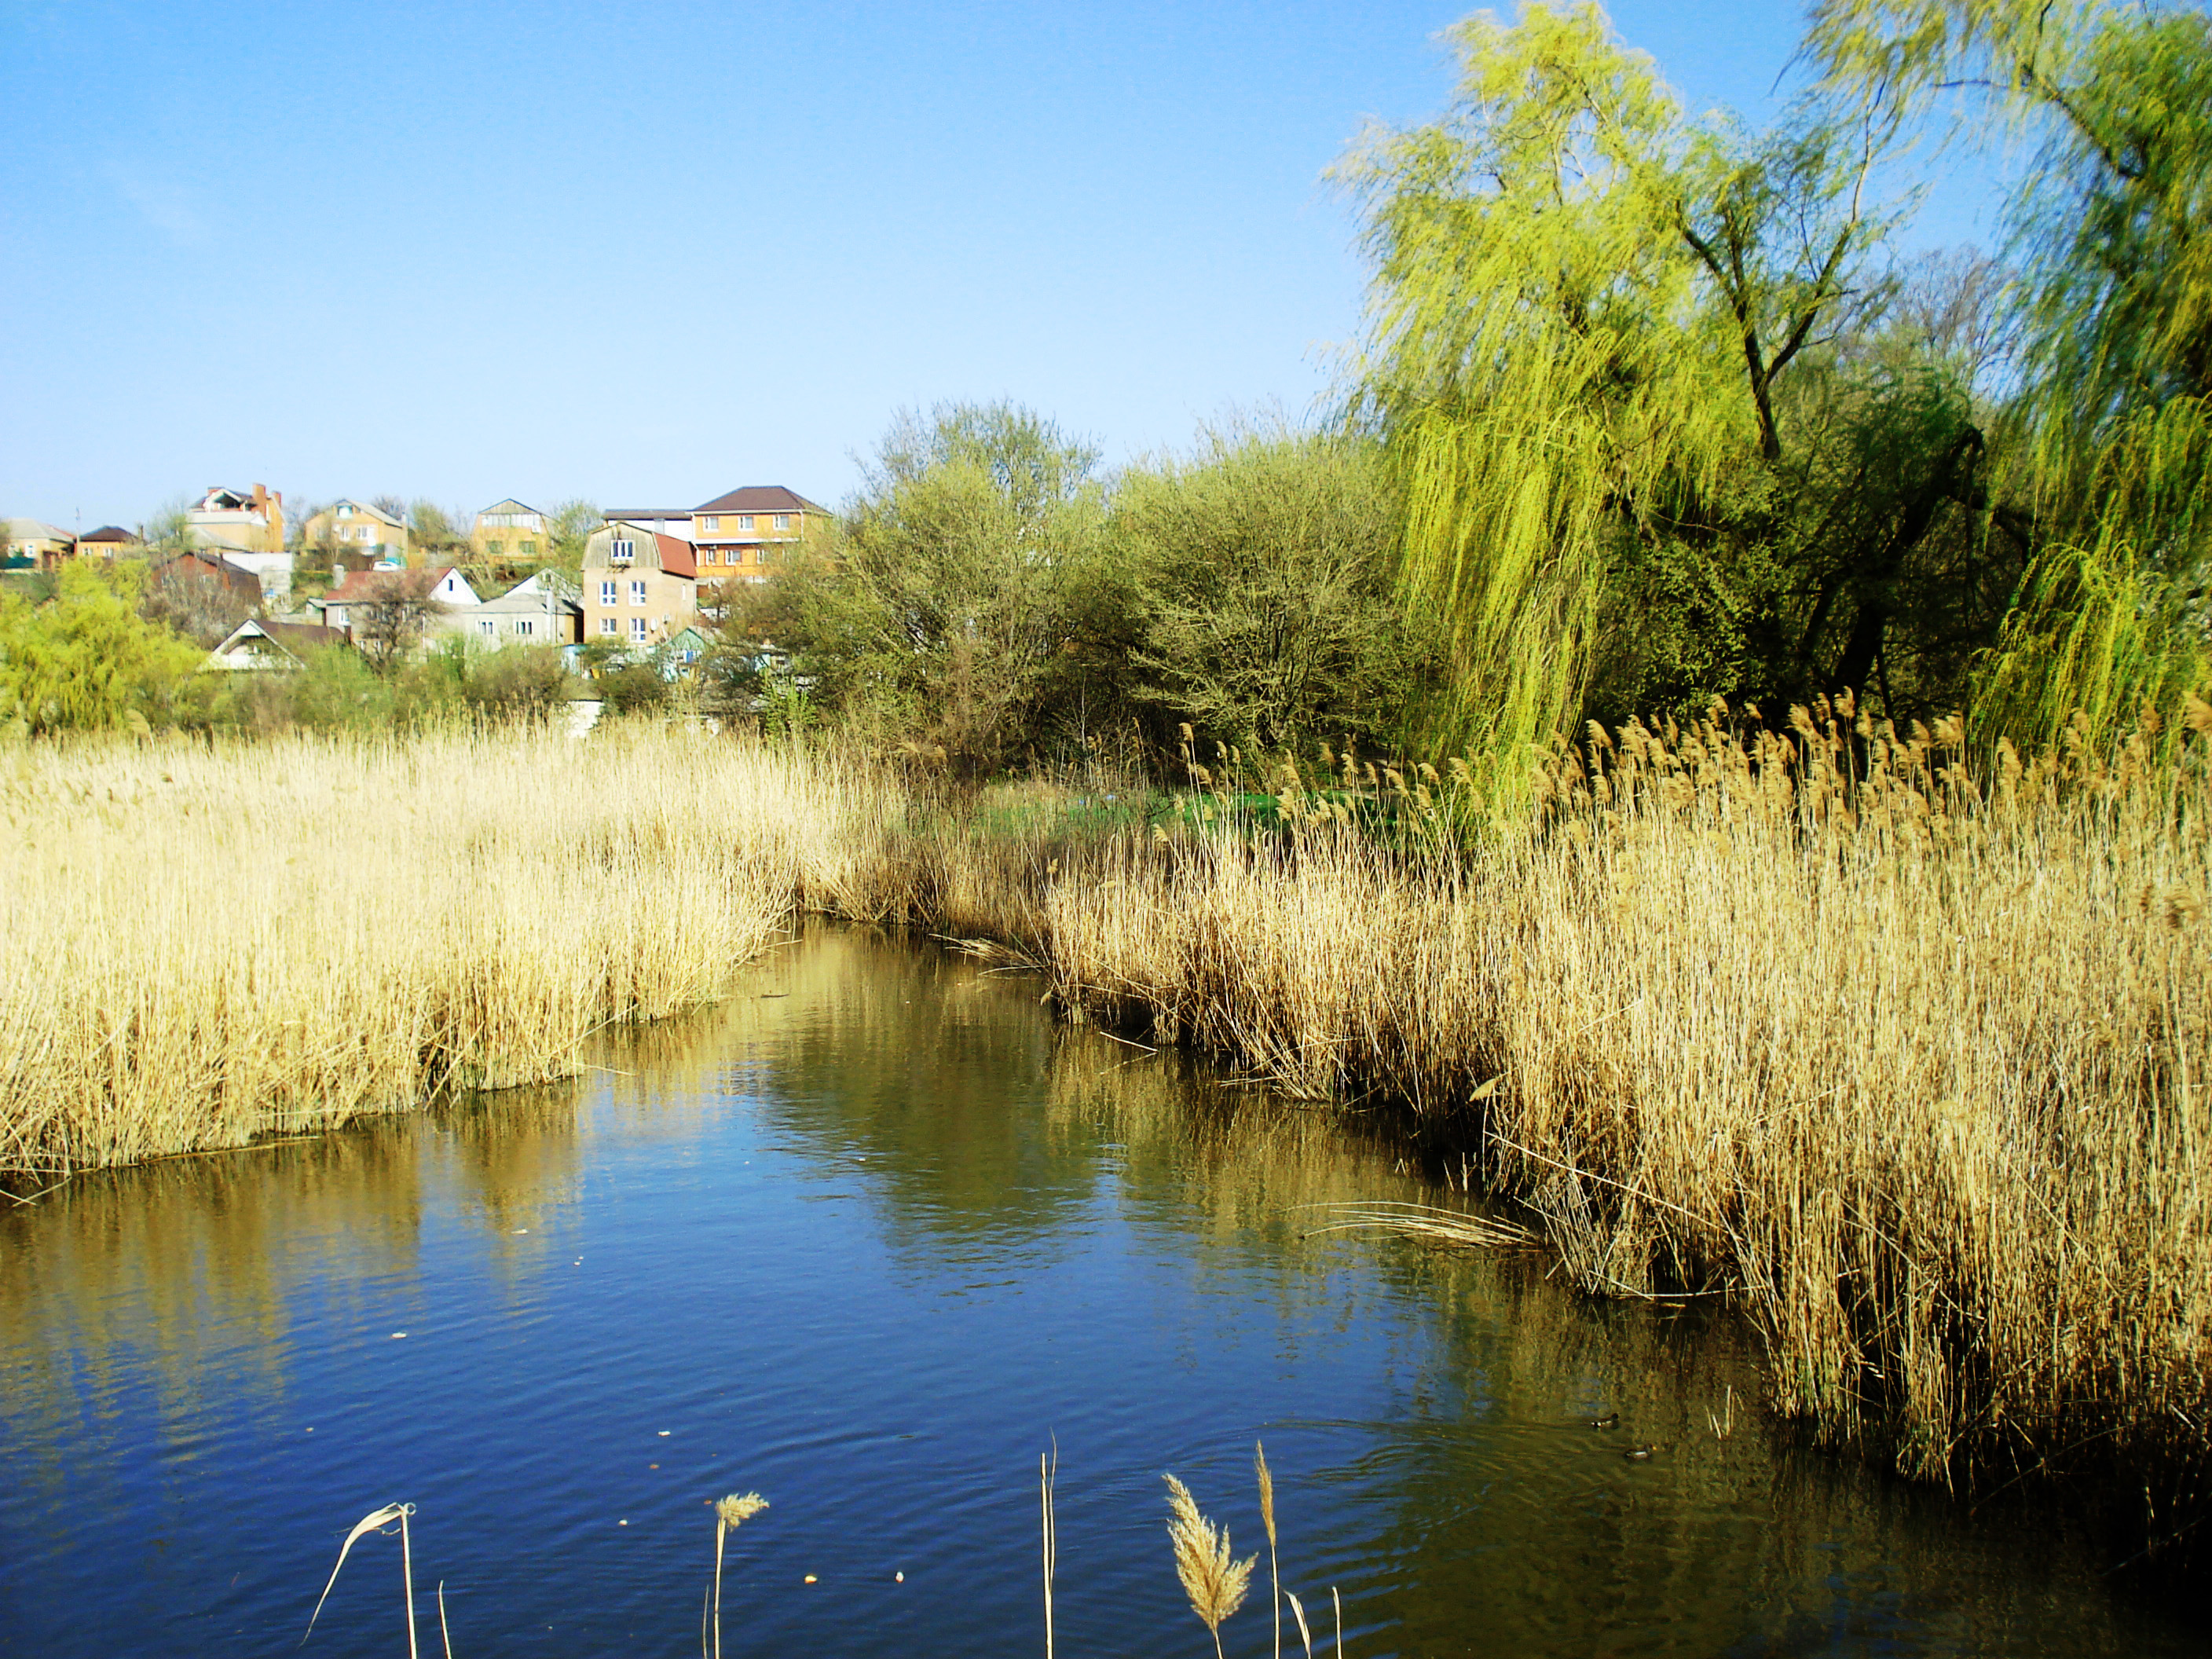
(2113, 311)
(87, 660)
(519, 683)
(1583, 317)
(961, 604)
(1261, 577)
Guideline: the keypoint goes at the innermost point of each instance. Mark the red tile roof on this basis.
(760, 498)
(676, 557)
(361, 586)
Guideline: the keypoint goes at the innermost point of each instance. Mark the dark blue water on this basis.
(869, 1247)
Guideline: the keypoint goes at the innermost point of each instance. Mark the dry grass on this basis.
(1907, 1060)
(214, 944)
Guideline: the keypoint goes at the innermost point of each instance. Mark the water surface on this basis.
(869, 1238)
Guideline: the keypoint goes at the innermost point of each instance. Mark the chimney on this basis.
(260, 498)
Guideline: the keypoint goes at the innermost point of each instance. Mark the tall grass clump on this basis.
(217, 942)
(1903, 1052)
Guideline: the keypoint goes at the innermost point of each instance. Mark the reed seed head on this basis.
(1215, 1582)
(739, 1508)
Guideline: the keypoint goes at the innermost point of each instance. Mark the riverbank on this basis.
(1901, 1059)
(213, 944)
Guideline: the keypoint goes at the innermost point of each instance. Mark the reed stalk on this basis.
(730, 1513)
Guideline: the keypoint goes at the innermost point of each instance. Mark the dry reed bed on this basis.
(216, 943)
(1907, 1060)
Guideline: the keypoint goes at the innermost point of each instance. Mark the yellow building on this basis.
(510, 530)
(110, 542)
(742, 536)
(351, 526)
(639, 587)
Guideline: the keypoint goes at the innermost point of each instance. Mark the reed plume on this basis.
(1214, 1581)
(1267, 1520)
(730, 1513)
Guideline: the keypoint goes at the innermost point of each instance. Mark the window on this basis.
(783, 521)
(637, 628)
(530, 550)
(637, 593)
(610, 593)
(489, 627)
(610, 625)
(496, 548)
(711, 522)
(744, 521)
(344, 511)
(623, 550)
(524, 627)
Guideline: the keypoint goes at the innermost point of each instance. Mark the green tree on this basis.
(86, 660)
(1262, 573)
(1584, 314)
(2111, 233)
(962, 604)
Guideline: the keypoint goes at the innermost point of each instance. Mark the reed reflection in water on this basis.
(863, 1237)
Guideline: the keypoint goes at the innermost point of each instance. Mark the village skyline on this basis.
(595, 258)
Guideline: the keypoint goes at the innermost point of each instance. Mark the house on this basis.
(256, 645)
(33, 545)
(247, 528)
(542, 611)
(509, 530)
(110, 542)
(641, 587)
(740, 536)
(239, 520)
(196, 566)
(359, 588)
(358, 527)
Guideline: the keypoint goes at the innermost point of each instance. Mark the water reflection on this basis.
(865, 1235)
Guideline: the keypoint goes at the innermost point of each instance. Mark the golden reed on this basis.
(1905, 1057)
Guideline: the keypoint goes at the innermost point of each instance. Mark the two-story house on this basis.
(641, 587)
(741, 535)
(351, 526)
(509, 530)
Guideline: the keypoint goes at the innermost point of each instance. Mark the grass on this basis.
(1902, 1054)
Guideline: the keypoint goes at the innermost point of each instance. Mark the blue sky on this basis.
(647, 252)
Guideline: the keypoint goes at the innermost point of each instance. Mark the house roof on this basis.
(108, 533)
(676, 557)
(510, 504)
(29, 529)
(215, 566)
(290, 638)
(361, 586)
(632, 515)
(369, 508)
(760, 498)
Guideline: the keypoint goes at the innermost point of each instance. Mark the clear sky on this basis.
(647, 252)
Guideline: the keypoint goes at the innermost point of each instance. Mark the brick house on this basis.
(641, 587)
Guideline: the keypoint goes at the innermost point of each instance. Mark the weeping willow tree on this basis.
(1582, 311)
(2111, 233)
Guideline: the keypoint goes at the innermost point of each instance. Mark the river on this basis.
(868, 1238)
